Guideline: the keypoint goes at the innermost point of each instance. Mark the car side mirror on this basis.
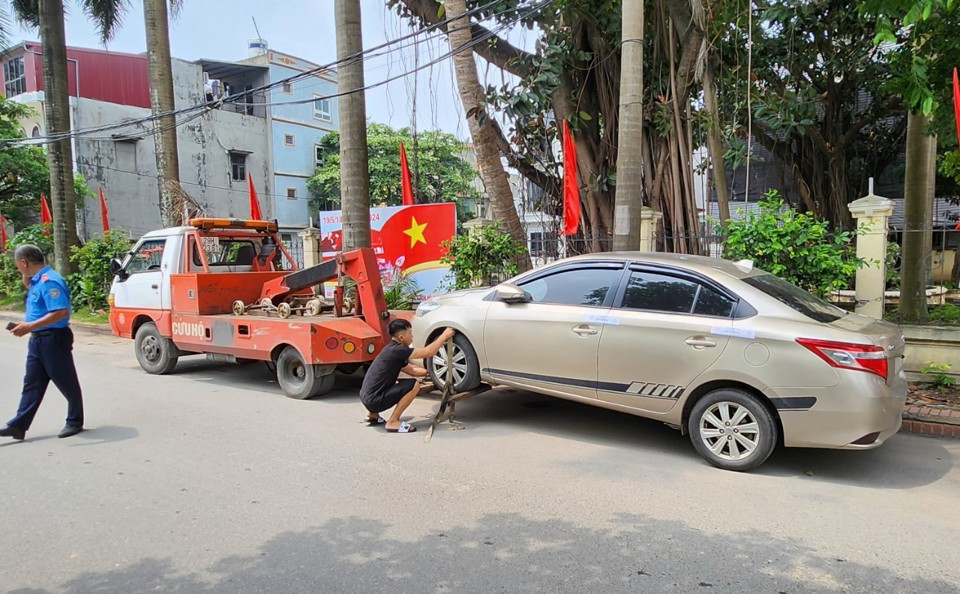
(512, 294)
(116, 269)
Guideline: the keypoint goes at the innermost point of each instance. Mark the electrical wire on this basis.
(235, 99)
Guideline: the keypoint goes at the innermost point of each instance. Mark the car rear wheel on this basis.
(466, 366)
(732, 429)
(157, 355)
(299, 379)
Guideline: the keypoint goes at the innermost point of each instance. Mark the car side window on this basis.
(588, 286)
(660, 292)
(148, 256)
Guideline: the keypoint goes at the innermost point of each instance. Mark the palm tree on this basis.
(47, 15)
(354, 171)
(162, 101)
(629, 192)
(495, 179)
(918, 193)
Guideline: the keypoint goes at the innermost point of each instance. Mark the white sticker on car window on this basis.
(737, 332)
(608, 320)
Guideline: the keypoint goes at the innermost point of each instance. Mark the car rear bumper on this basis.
(859, 413)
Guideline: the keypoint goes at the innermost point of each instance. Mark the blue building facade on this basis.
(300, 113)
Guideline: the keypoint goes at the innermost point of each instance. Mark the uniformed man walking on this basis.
(50, 351)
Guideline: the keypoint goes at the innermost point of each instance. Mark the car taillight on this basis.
(845, 355)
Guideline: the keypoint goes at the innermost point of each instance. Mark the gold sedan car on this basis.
(737, 358)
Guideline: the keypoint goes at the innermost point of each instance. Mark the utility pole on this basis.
(354, 171)
(629, 192)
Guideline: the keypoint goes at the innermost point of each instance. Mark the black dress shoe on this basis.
(14, 432)
(69, 430)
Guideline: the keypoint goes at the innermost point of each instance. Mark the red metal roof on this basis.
(104, 75)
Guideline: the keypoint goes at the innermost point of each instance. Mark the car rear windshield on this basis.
(796, 298)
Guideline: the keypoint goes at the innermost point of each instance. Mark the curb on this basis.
(81, 327)
(931, 421)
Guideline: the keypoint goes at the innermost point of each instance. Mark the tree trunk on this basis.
(918, 205)
(629, 191)
(715, 145)
(354, 168)
(495, 179)
(59, 153)
(162, 101)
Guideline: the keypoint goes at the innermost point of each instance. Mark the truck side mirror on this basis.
(116, 269)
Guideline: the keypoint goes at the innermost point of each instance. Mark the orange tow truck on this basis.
(228, 289)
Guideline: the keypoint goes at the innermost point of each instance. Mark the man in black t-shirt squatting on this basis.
(381, 390)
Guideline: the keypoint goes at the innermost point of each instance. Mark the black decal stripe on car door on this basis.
(638, 388)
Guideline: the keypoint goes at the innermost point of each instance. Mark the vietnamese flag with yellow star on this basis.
(415, 234)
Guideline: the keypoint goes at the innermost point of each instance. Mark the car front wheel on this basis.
(464, 362)
(732, 429)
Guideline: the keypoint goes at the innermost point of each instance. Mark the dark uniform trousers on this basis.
(49, 358)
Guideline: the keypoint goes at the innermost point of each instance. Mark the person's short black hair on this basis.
(397, 326)
(30, 253)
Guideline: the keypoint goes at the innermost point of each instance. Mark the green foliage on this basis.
(795, 246)
(939, 380)
(478, 259)
(444, 175)
(401, 291)
(11, 283)
(23, 169)
(90, 286)
(946, 314)
(893, 265)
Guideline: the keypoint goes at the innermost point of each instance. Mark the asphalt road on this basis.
(210, 481)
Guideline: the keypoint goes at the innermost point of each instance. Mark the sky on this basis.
(220, 29)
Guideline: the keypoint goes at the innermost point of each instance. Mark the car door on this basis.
(550, 344)
(660, 338)
(143, 287)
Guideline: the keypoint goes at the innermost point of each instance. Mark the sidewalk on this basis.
(85, 327)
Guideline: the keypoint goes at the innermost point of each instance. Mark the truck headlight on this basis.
(426, 307)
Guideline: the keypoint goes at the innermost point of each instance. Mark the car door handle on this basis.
(699, 341)
(154, 286)
(585, 330)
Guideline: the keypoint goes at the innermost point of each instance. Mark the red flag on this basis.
(415, 234)
(103, 211)
(571, 190)
(406, 188)
(45, 216)
(254, 205)
(956, 102)
(3, 234)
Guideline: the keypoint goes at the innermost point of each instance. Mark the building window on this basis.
(542, 245)
(287, 88)
(238, 166)
(15, 83)
(317, 156)
(36, 132)
(322, 109)
(291, 193)
(289, 140)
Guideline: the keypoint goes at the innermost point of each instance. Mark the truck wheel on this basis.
(732, 429)
(466, 366)
(299, 379)
(154, 352)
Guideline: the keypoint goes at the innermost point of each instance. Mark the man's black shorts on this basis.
(388, 399)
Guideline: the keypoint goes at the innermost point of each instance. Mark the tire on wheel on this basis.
(299, 379)
(157, 355)
(466, 366)
(732, 429)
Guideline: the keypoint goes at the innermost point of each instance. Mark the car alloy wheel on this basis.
(729, 431)
(459, 358)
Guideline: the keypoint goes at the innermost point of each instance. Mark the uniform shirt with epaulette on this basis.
(48, 292)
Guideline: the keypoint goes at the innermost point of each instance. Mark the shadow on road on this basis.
(105, 434)
(903, 462)
(508, 552)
